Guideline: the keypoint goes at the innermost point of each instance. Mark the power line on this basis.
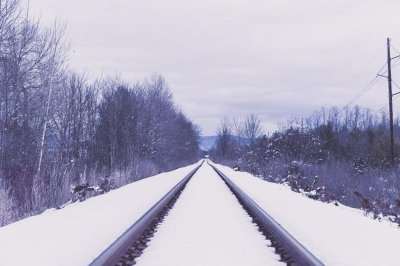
(398, 64)
(370, 61)
(396, 86)
(384, 65)
(386, 105)
(370, 84)
(367, 87)
(364, 89)
(394, 48)
(361, 93)
(397, 59)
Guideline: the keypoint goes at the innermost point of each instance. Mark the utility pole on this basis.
(389, 77)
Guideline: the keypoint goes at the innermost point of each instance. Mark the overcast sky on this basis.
(276, 59)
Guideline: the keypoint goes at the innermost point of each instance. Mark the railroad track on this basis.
(291, 250)
(131, 244)
(133, 241)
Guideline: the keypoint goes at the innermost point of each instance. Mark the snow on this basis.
(208, 226)
(77, 234)
(337, 235)
(224, 234)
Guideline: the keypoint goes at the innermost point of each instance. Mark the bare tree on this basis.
(55, 48)
(224, 139)
(252, 128)
(57, 130)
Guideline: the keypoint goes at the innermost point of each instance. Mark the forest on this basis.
(61, 133)
(65, 137)
(334, 155)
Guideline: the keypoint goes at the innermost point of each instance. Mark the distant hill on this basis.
(207, 142)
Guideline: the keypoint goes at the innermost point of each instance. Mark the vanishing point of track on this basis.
(131, 244)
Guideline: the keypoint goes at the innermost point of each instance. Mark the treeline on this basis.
(141, 123)
(57, 130)
(333, 155)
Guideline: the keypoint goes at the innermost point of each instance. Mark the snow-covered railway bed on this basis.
(133, 241)
(79, 232)
(208, 226)
(213, 223)
(291, 250)
(334, 233)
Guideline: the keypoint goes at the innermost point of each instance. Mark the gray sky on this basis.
(276, 59)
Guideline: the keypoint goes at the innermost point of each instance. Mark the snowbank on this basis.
(78, 233)
(337, 235)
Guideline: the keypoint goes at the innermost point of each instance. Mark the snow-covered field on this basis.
(208, 226)
(337, 235)
(77, 234)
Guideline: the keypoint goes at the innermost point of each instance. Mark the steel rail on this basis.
(113, 254)
(298, 254)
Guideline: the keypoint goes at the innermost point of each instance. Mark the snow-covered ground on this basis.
(77, 234)
(208, 226)
(337, 235)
